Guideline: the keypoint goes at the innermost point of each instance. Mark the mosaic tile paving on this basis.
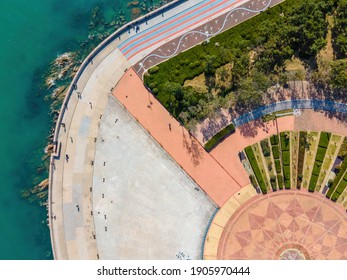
(286, 225)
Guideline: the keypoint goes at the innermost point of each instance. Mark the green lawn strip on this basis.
(328, 160)
(324, 139)
(219, 137)
(261, 163)
(339, 190)
(275, 151)
(278, 166)
(320, 154)
(312, 143)
(338, 178)
(285, 141)
(301, 157)
(294, 144)
(280, 181)
(286, 157)
(286, 175)
(286, 162)
(253, 162)
(313, 183)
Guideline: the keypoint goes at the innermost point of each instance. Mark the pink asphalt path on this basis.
(174, 138)
(184, 27)
(166, 24)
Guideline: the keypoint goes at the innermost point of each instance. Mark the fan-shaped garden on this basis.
(310, 160)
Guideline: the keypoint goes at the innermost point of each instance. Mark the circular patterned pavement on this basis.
(285, 225)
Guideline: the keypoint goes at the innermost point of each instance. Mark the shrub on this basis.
(285, 141)
(286, 158)
(273, 185)
(220, 136)
(275, 152)
(274, 140)
(278, 166)
(280, 181)
(269, 166)
(286, 172)
(153, 70)
(256, 169)
(265, 147)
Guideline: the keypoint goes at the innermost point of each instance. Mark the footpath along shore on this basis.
(74, 232)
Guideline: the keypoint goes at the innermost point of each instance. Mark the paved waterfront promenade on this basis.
(71, 201)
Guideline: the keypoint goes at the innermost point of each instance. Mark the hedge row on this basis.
(286, 157)
(338, 178)
(278, 166)
(286, 174)
(274, 140)
(320, 154)
(256, 169)
(313, 182)
(321, 151)
(219, 137)
(339, 190)
(285, 141)
(324, 139)
(285, 146)
(280, 181)
(301, 157)
(275, 152)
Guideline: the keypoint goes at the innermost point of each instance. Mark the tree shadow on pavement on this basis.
(192, 147)
(250, 129)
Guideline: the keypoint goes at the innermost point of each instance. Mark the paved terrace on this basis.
(71, 216)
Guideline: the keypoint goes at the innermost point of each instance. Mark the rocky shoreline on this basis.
(56, 80)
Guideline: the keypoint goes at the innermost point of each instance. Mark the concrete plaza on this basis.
(145, 206)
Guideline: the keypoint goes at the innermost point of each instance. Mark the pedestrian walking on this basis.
(71, 139)
(91, 105)
(79, 96)
(67, 157)
(170, 126)
(63, 125)
(78, 207)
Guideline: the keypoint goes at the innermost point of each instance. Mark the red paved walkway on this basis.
(186, 151)
(226, 153)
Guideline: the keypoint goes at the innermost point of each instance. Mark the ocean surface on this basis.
(33, 33)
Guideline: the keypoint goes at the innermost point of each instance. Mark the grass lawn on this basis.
(310, 153)
(334, 144)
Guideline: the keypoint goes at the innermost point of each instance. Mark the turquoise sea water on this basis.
(33, 33)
